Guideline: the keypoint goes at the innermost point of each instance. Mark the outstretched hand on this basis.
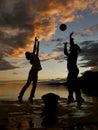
(71, 34)
(36, 39)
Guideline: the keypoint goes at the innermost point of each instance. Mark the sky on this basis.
(22, 20)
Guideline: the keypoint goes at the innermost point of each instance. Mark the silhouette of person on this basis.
(73, 71)
(33, 73)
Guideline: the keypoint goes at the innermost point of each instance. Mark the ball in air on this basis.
(63, 27)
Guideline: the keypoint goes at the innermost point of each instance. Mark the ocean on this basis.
(9, 91)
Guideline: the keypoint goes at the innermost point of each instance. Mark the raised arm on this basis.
(71, 39)
(37, 49)
(34, 49)
(65, 49)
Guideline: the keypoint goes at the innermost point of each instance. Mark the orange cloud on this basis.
(22, 20)
(88, 31)
(45, 56)
(48, 11)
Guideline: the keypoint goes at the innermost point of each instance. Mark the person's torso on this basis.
(36, 63)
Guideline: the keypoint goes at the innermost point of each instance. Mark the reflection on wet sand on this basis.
(14, 116)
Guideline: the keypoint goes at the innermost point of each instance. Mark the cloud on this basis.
(55, 55)
(88, 31)
(90, 54)
(34, 17)
(22, 20)
(4, 65)
(93, 5)
(45, 56)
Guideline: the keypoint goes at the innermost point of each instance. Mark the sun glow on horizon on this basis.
(21, 21)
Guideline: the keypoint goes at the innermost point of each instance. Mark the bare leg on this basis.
(79, 98)
(70, 88)
(34, 85)
(70, 94)
(24, 88)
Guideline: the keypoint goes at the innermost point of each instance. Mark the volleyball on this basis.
(63, 27)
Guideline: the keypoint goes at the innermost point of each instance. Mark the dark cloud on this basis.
(57, 40)
(4, 65)
(88, 31)
(34, 17)
(21, 20)
(90, 54)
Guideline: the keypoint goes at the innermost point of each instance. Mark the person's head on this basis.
(29, 55)
(75, 48)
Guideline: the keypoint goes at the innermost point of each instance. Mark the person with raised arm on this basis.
(73, 71)
(33, 73)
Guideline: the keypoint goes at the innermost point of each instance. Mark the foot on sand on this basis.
(70, 100)
(20, 99)
(30, 100)
(80, 102)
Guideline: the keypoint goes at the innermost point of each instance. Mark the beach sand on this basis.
(15, 116)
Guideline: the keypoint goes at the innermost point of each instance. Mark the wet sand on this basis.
(15, 116)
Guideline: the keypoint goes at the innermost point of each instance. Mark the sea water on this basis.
(9, 90)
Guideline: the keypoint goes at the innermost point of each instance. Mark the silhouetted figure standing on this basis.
(33, 73)
(73, 71)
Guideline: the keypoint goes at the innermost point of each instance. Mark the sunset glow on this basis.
(22, 20)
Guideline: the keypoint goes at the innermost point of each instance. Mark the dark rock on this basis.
(88, 82)
(50, 101)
